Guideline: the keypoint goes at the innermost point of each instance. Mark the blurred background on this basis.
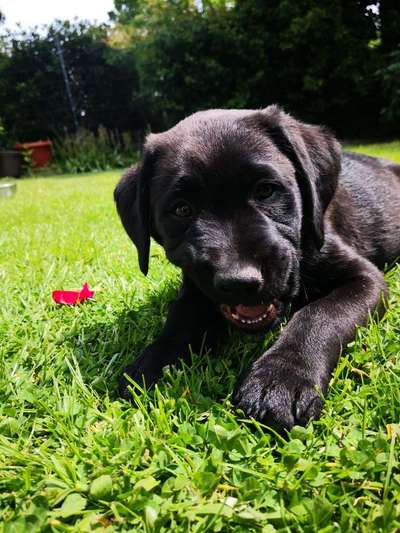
(96, 84)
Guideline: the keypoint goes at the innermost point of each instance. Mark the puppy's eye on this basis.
(263, 191)
(183, 210)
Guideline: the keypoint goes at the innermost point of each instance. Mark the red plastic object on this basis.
(72, 297)
(41, 152)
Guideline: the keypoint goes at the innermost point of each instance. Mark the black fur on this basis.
(276, 214)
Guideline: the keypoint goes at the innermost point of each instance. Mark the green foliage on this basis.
(389, 25)
(391, 85)
(33, 96)
(312, 58)
(332, 62)
(186, 58)
(2, 134)
(73, 457)
(86, 151)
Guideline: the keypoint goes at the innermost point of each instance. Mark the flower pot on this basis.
(10, 164)
(40, 152)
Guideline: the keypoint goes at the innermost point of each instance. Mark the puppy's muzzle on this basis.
(238, 285)
(240, 291)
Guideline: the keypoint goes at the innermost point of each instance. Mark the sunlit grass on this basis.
(390, 150)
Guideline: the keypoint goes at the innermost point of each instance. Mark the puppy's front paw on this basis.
(277, 394)
(145, 371)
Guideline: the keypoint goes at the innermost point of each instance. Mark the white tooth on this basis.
(235, 316)
(270, 307)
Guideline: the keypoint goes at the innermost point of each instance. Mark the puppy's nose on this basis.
(235, 284)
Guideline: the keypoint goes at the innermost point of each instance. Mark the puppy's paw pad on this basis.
(277, 397)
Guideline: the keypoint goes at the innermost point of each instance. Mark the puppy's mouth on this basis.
(252, 317)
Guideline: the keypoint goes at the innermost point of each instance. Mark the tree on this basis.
(319, 64)
(389, 17)
(391, 93)
(332, 62)
(34, 101)
(185, 55)
(312, 57)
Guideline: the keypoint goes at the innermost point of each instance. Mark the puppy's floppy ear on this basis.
(132, 197)
(316, 157)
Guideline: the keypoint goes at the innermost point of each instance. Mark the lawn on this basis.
(75, 458)
(389, 150)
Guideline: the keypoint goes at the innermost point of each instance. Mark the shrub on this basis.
(86, 151)
(2, 134)
(391, 91)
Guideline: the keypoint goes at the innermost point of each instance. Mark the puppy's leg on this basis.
(284, 386)
(191, 322)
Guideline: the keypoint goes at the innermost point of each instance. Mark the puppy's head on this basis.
(234, 197)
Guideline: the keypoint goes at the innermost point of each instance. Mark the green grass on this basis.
(389, 150)
(75, 458)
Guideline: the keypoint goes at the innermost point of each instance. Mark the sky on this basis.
(37, 12)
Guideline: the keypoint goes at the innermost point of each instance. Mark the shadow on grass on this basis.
(104, 349)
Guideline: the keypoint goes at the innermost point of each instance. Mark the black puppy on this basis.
(260, 212)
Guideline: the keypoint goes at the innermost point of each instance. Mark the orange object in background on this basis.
(41, 152)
